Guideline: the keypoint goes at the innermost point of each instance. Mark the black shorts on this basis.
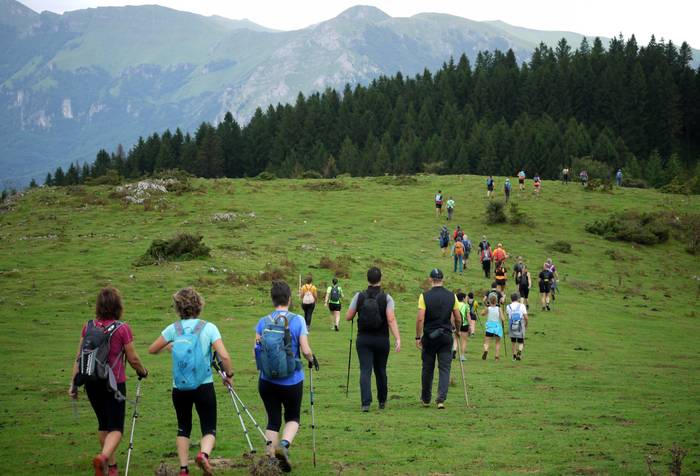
(333, 307)
(524, 292)
(490, 188)
(109, 411)
(544, 288)
(490, 334)
(438, 205)
(521, 180)
(204, 400)
(501, 282)
(464, 329)
(275, 397)
(519, 340)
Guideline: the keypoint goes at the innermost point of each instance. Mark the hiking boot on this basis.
(336, 329)
(520, 355)
(101, 465)
(515, 357)
(113, 471)
(463, 358)
(382, 405)
(454, 354)
(484, 355)
(365, 408)
(202, 461)
(548, 308)
(441, 405)
(425, 404)
(282, 455)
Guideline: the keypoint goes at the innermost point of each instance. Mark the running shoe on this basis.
(441, 405)
(101, 465)
(484, 355)
(202, 461)
(113, 471)
(425, 404)
(282, 455)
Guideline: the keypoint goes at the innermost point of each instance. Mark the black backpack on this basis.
(370, 316)
(335, 294)
(93, 361)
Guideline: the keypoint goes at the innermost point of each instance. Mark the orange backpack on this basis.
(459, 248)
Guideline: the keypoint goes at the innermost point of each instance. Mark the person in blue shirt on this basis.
(188, 305)
(618, 177)
(285, 392)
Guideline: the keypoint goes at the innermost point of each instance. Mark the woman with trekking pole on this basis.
(105, 343)
(191, 341)
(281, 338)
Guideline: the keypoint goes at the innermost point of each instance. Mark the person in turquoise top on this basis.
(494, 325)
(334, 296)
(188, 305)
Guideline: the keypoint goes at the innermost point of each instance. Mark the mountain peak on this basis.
(17, 15)
(364, 13)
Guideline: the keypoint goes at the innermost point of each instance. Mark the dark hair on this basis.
(335, 280)
(188, 303)
(470, 295)
(280, 293)
(109, 304)
(514, 297)
(309, 279)
(374, 275)
(461, 296)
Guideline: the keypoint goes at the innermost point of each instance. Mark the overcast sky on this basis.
(674, 19)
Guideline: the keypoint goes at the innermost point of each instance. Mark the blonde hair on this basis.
(188, 303)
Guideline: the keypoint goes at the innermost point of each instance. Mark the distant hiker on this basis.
(499, 254)
(483, 244)
(281, 337)
(546, 277)
(376, 317)
(458, 254)
(466, 328)
(517, 269)
(618, 177)
(467, 249)
(450, 208)
(524, 285)
(583, 177)
(565, 175)
(494, 326)
(438, 203)
(501, 275)
(485, 257)
(489, 187)
(538, 183)
(105, 343)
(444, 240)
(506, 189)
(555, 278)
(473, 310)
(438, 314)
(190, 341)
(308, 294)
(517, 323)
(500, 297)
(334, 295)
(521, 180)
(458, 233)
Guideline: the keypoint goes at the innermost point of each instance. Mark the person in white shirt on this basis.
(517, 323)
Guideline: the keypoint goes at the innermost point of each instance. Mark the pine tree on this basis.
(33, 184)
(48, 181)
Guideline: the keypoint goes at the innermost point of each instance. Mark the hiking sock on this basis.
(186, 469)
(284, 444)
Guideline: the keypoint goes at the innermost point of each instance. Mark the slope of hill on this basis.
(609, 376)
(72, 83)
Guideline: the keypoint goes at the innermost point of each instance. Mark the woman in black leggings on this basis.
(189, 304)
(283, 392)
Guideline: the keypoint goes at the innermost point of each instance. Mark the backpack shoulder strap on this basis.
(179, 330)
(198, 328)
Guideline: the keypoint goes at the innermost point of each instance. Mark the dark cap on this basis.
(436, 274)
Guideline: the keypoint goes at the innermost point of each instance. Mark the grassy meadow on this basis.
(610, 376)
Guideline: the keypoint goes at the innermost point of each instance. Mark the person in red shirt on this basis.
(108, 408)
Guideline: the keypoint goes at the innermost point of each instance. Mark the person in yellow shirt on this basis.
(308, 295)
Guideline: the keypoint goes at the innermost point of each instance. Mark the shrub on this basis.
(595, 168)
(561, 247)
(517, 217)
(495, 212)
(311, 174)
(265, 175)
(600, 185)
(181, 247)
(112, 177)
(678, 187)
(397, 180)
(326, 186)
(634, 183)
(642, 228)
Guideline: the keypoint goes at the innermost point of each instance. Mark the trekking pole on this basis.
(217, 366)
(245, 409)
(347, 382)
(313, 418)
(461, 366)
(133, 426)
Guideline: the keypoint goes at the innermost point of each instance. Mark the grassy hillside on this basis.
(609, 376)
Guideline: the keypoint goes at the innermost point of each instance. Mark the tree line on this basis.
(625, 106)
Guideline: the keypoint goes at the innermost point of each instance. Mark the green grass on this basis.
(610, 376)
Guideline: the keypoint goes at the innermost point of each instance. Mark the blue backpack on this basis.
(274, 356)
(516, 322)
(190, 367)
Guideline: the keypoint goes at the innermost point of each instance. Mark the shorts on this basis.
(275, 397)
(489, 188)
(204, 400)
(438, 205)
(109, 411)
(521, 180)
(544, 288)
(519, 340)
(501, 282)
(333, 307)
(524, 292)
(491, 334)
(464, 329)
(537, 185)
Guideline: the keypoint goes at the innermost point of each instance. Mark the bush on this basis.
(678, 187)
(340, 266)
(265, 175)
(311, 174)
(495, 212)
(634, 183)
(181, 247)
(517, 217)
(112, 177)
(642, 228)
(600, 185)
(595, 168)
(561, 247)
(397, 180)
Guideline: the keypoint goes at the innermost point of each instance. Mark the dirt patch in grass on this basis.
(393, 287)
(326, 186)
(181, 247)
(340, 266)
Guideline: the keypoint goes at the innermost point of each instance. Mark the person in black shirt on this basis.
(546, 277)
(376, 318)
(438, 316)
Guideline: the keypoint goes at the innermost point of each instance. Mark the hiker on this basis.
(444, 239)
(521, 180)
(282, 338)
(458, 233)
(473, 310)
(524, 285)
(494, 290)
(538, 183)
(489, 187)
(104, 344)
(501, 275)
(308, 295)
(438, 314)
(583, 177)
(190, 341)
(517, 269)
(376, 317)
(499, 255)
(506, 189)
(450, 208)
(545, 286)
(565, 176)
(466, 328)
(334, 295)
(485, 257)
(438, 203)
(554, 286)
(494, 325)
(517, 323)
(458, 254)
(467, 249)
(618, 177)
